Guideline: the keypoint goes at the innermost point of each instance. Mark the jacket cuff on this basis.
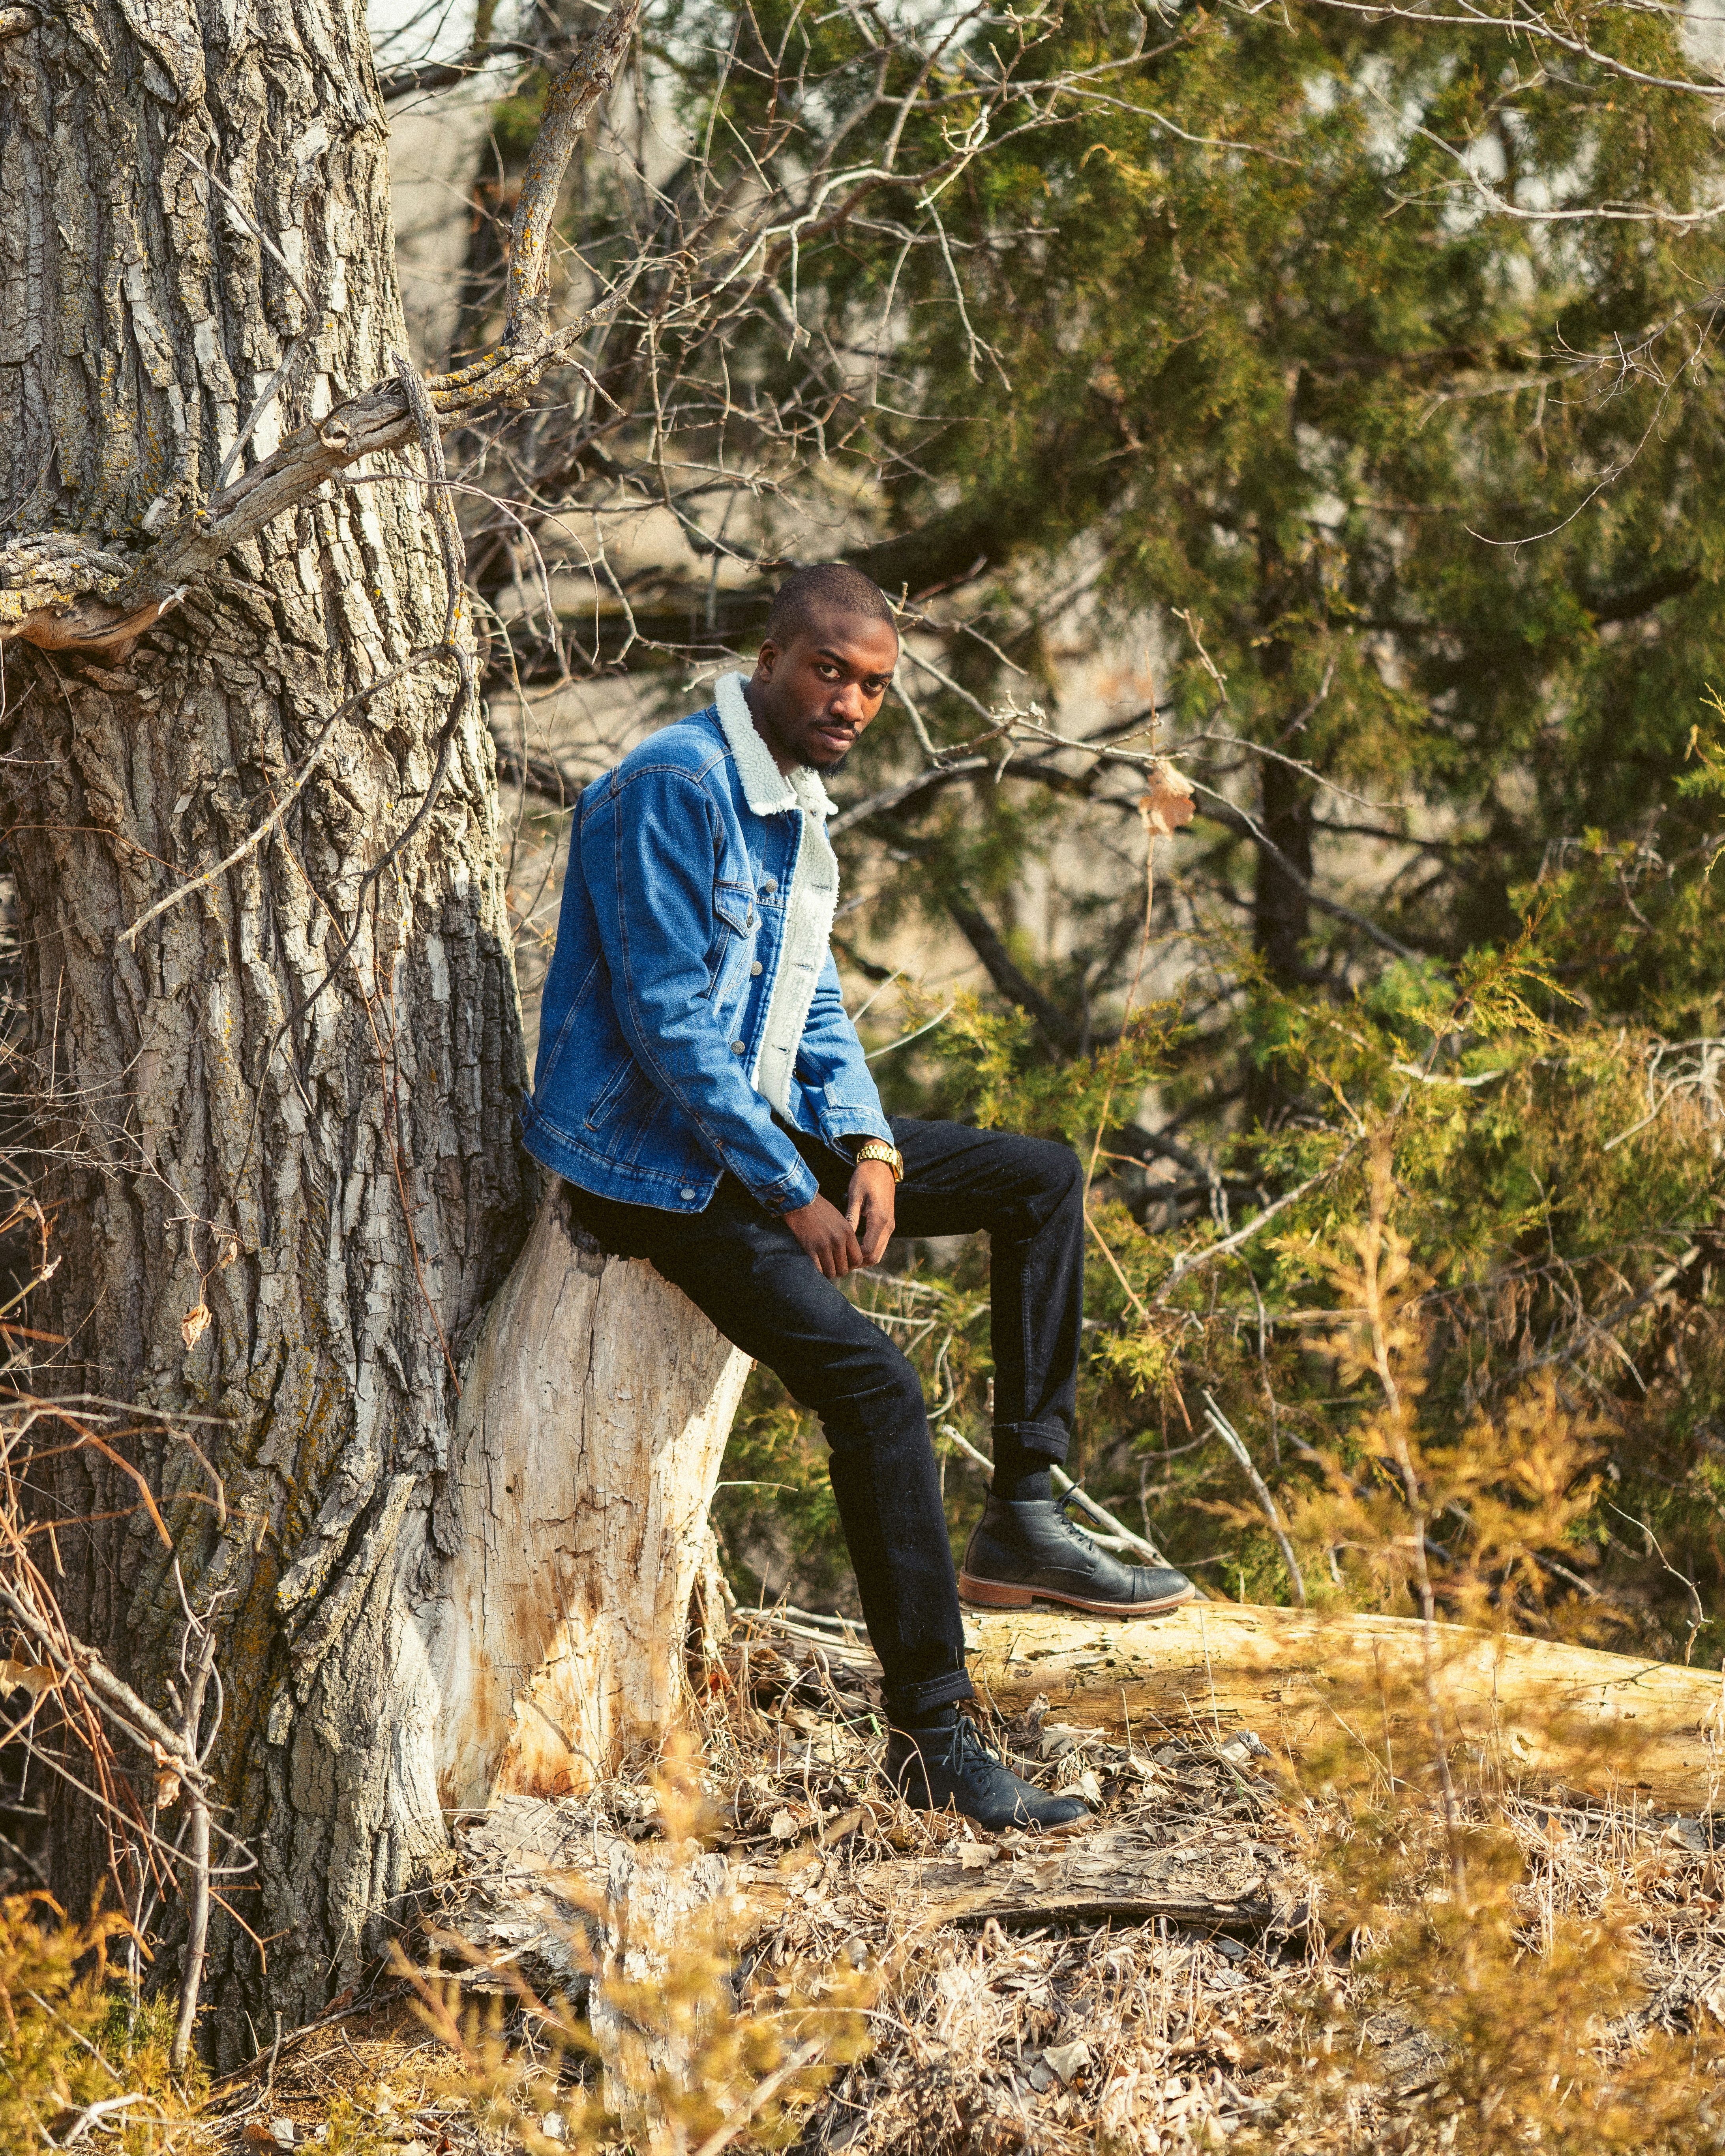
(853, 1121)
(794, 1190)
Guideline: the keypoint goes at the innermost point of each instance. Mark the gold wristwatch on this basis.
(878, 1149)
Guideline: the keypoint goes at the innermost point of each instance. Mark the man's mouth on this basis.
(838, 739)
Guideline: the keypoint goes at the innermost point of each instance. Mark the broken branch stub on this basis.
(60, 592)
(592, 1422)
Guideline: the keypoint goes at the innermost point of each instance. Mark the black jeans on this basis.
(745, 1269)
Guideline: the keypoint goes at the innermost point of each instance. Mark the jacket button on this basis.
(688, 1190)
(739, 1047)
(769, 885)
(755, 965)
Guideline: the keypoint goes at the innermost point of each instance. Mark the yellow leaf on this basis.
(192, 1325)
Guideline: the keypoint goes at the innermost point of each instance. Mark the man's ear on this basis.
(766, 659)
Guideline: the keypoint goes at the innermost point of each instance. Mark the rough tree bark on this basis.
(285, 1178)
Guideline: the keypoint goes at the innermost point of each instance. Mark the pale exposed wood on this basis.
(592, 1425)
(1599, 1722)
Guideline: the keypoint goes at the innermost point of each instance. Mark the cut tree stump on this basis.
(592, 1421)
(1597, 1721)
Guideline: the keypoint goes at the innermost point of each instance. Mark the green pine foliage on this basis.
(1419, 496)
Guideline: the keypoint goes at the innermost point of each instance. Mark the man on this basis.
(701, 1084)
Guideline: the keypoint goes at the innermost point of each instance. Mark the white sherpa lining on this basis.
(810, 903)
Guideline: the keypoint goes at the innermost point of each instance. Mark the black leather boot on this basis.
(1019, 1554)
(959, 1767)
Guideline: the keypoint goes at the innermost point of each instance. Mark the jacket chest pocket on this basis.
(735, 923)
(734, 905)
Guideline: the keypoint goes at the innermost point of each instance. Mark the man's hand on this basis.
(869, 1207)
(839, 1242)
(825, 1236)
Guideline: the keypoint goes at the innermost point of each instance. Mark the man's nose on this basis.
(848, 703)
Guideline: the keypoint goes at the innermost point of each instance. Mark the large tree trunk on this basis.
(283, 1174)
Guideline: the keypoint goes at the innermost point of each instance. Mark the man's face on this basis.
(812, 698)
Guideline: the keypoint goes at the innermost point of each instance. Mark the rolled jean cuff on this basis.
(1048, 1440)
(916, 1699)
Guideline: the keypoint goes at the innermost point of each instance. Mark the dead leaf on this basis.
(1068, 2060)
(33, 1677)
(270, 2134)
(976, 1856)
(195, 1323)
(1166, 802)
(782, 1826)
(844, 1826)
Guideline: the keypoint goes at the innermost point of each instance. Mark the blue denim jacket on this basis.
(693, 990)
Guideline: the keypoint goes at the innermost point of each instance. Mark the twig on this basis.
(760, 2098)
(93, 2114)
(1137, 1301)
(1657, 1548)
(198, 1855)
(117, 1699)
(1208, 1257)
(314, 756)
(1236, 1445)
(905, 1039)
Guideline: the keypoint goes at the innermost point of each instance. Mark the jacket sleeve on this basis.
(832, 1067)
(647, 853)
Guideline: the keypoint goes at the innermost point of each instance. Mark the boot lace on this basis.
(968, 1746)
(1073, 1531)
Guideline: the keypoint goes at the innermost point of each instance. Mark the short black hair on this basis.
(825, 588)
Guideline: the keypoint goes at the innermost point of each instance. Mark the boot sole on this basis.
(995, 1594)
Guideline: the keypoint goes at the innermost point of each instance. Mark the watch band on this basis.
(878, 1149)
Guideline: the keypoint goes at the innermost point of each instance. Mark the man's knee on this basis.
(1059, 1171)
(873, 1400)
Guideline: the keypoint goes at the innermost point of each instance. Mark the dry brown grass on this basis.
(1578, 2008)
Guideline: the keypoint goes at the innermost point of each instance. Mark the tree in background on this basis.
(1362, 367)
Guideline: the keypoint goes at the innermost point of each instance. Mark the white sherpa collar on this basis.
(765, 787)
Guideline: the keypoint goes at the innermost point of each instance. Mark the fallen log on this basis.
(1602, 1724)
(1119, 1876)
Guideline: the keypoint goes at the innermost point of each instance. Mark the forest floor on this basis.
(1161, 1977)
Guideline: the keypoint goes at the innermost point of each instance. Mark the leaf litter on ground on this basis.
(1158, 1979)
